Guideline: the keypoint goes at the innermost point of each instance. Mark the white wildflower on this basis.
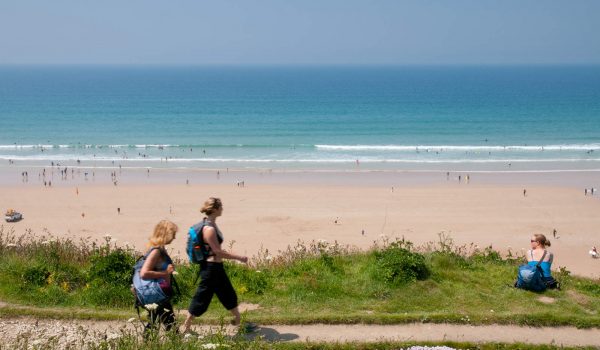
(11, 245)
(167, 310)
(46, 242)
(175, 273)
(258, 271)
(151, 307)
(323, 241)
(491, 310)
(112, 336)
(107, 236)
(131, 320)
(214, 346)
(269, 258)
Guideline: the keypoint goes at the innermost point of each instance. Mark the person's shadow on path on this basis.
(271, 334)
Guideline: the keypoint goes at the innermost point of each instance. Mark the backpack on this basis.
(530, 277)
(147, 291)
(196, 249)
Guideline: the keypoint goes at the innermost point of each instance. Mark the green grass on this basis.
(309, 283)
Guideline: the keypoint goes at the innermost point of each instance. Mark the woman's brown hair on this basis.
(541, 239)
(211, 205)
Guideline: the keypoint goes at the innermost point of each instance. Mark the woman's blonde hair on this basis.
(211, 205)
(164, 233)
(541, 239)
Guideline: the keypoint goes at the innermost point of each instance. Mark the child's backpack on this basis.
(197, 250)
(147, 291)
(531, 277)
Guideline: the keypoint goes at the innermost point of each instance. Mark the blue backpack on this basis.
(196, 249)
(531, 277)
(147, 291)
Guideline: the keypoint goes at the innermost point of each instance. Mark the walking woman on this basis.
(213, 278)
(159, 266)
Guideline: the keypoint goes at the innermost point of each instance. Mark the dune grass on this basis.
(317, 282)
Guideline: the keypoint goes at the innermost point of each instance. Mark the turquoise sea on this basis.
(396, 118)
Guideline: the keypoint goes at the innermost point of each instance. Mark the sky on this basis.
(299, 32)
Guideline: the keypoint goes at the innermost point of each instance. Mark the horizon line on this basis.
(300, 65)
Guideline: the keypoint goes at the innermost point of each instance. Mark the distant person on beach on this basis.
(537, 253)
(554, 233)
(524, 192)
(118, 211)
(159, 266)
(213, 277)
(594, 253)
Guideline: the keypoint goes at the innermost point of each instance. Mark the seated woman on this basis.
(538, 252)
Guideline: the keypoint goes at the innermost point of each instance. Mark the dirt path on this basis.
(80, 332)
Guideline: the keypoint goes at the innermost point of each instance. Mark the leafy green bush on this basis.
(36, 275)
(397, 264)
(249, 280)
(488, 255)
(112, 267)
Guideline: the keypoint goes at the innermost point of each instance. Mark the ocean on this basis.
(508, 118)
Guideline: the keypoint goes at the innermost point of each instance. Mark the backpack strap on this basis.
(149, 251)
(542, 259)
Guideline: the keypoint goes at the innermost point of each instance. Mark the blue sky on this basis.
(249, 32)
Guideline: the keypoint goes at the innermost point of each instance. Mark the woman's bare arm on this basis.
(147, 271)
(210, 236)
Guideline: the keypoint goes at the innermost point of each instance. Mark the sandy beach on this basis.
(274, 210)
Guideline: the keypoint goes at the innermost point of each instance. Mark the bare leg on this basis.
(188, 323)
(236, 314)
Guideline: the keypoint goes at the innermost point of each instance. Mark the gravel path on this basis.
(79, 332)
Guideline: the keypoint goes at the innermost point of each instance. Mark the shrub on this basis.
(112, 267)
(488, 255)
(36, 275)
(248, 280)
(397, 264)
